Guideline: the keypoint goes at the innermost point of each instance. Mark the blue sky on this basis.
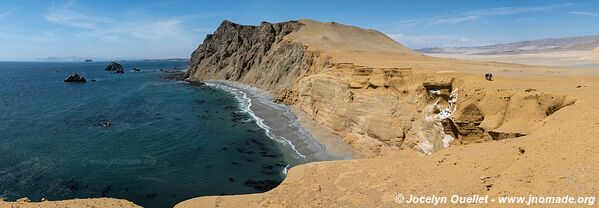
(164, 29)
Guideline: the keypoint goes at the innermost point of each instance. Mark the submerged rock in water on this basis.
(201, 84)
(113, 66)
(104, 123)
(106, 191)
(136, 69)
(264, 185)
(70, 185)
(75, 78)
(173, 75)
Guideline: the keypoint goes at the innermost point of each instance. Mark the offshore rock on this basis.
(75, 78)
(113, 66)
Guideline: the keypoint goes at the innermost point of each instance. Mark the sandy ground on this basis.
(576, 59)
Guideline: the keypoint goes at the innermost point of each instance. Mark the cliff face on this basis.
(395, 99)
(378, 110)
(254, 55)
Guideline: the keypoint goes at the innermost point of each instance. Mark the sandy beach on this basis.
(313, 142)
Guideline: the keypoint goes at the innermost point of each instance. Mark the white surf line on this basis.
(246, 107)
(304, 137)
(285, 169)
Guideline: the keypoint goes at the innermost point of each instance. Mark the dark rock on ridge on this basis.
(75, 78)
(254, 55)
(113, 66)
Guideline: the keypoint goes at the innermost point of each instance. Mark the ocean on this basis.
(167, 141)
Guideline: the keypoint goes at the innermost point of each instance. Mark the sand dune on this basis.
(594, 55)
(332, 36)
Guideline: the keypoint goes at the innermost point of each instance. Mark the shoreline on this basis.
(287, 123)
(245, 103)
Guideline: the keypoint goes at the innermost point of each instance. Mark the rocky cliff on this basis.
(253, 55)
(378, 95)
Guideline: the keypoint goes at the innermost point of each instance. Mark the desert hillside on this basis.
(527, 131)
(335, 37)
(563, 52)
(594, 54)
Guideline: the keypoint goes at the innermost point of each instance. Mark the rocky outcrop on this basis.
(254, 55)
(501, 114)
(103, 123)
(75, 78)
(116, 67)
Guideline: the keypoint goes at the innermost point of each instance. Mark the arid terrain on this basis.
(424, 125)
(527, 132)
(581, 52)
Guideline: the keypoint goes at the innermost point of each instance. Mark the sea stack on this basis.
(113, 66)
(75, 78)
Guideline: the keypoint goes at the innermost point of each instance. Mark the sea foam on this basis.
(245, 104)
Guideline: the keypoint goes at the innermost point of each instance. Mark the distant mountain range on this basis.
(70, 59)
(582, 43)
(83, 59)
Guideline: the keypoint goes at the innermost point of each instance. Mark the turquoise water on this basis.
(168, 140)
